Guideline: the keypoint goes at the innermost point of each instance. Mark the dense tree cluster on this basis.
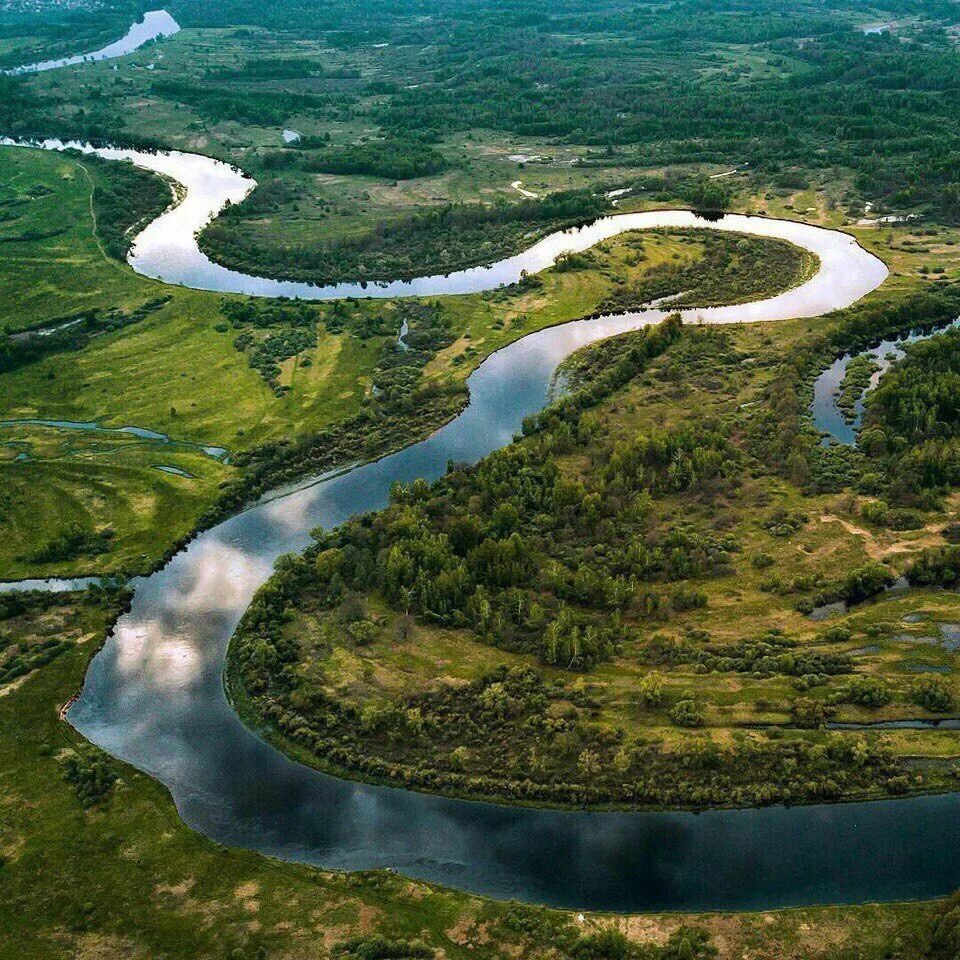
(435, 239)
(510, 547)
(936, 567)
(124, 198)
(91, 773)
(912, 426)
(769, 655)
(393, 158)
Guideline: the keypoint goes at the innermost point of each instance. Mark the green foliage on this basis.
(271, 333)
(91, 773)
(936, 567)
(933, 693)
(124, 198)
(68, 334)
(912, 419)
(434, 239)
(687, 713)
(71, 543)
(23, 650)
(733, 268)
(870, 692)
(856, 586)
(779, 432)
(392, 158)
(770, 655)
(378, 947)
(855, 381)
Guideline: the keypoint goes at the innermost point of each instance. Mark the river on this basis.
(154, 697)
(154, 25)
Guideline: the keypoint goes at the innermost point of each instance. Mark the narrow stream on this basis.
(154, 697)
(141, 433)
(827, 416)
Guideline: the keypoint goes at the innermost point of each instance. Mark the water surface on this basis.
(827, 416)
(155, 24)
(154, 697)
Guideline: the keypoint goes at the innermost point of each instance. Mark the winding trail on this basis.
(154, 696)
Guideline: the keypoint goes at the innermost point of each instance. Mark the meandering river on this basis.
(154, 695)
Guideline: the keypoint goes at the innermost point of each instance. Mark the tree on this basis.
(650, 689)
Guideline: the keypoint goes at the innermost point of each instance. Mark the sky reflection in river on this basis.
(154, 25)
(238, 790)
(154, 695)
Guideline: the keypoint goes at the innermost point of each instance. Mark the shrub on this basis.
(936, 567)
(810, 714)
(868, 692)
(687, 713)
(932, 693)
(90, 773)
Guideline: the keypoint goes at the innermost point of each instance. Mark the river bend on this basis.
(154, 696)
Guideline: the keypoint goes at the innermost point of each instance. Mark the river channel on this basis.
(154, 696)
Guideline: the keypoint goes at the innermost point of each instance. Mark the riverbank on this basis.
(174, 894)
(358, 662)
(322, 387)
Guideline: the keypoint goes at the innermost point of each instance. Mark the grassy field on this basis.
(125, 878)
(819, 538)
(53, 264)
(192, 384)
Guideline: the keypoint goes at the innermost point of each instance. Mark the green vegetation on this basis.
(123, 875)
(125, 199)
(32, 32)
(912, 421)
(436, 240)
(809, 116)
(612, 610)
(856, 379)
(729, 270)
(586, 598)
(287, 389)
(392, 159)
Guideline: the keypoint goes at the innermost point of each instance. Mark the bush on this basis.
(932, 693)
(377, 947)
(91, 774)
(810, 714)
(870, 692)
(936, 567)
(687, 713)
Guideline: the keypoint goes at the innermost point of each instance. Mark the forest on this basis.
(567, 572)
